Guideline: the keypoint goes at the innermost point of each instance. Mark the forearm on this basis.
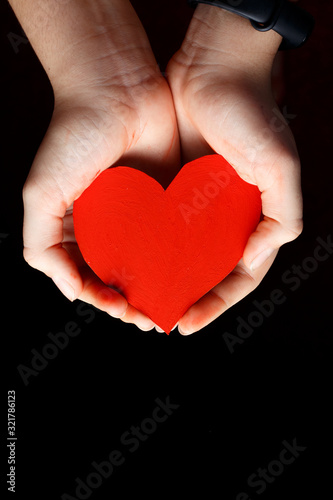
(90, 36)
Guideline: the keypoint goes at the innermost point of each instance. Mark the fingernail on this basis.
(118, 313)
(182, 331)
(144, 327)
(261, 258)
(65, 288)
(145, 324)
(158, 329)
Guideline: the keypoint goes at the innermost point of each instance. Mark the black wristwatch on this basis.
(290, 21)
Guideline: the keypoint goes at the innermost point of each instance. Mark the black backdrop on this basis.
(231, 410)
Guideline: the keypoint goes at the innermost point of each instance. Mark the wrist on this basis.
(83, 43)
(110, 45)
(230, 39)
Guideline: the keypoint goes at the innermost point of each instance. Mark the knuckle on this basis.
(295, 229)
(30, 257)
(26, 191)
(27, 256)
(43, 193)
(31, 192)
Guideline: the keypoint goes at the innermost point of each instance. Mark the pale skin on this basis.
(113, 106)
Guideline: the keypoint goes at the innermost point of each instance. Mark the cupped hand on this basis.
(112, 107)
(221, 85)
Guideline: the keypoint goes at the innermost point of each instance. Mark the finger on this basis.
(68, 227)
(106, 299)
(96, 293)
(239, 283)
(138, 318)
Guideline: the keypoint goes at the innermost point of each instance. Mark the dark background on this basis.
(235, 409)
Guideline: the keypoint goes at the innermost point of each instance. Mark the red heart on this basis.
(164, 249)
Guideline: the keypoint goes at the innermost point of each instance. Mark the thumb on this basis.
(78, 145)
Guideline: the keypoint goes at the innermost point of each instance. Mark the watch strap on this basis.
(289, 20)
